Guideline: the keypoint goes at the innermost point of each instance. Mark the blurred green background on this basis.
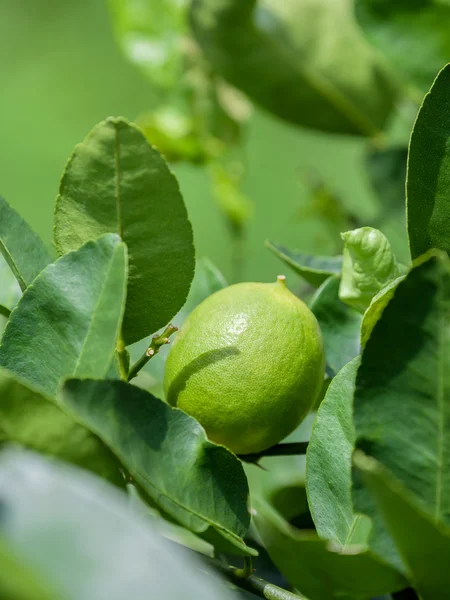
(62, 72)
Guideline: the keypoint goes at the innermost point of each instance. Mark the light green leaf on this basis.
(200, 485)
(10, 292)
(22, 249)
(428, 181)
(339, 323)
(153, 36)
(329, 464)
(314, 269)
(413, 35)
(32, 420)
(293, 60)
(319, 569)
(368, 266)
(376, 307)
(18, 581)
(116, 182)
(402, 397)
(81, 535)
(67, 322)
(423, 545)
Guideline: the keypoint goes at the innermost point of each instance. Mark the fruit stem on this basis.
(288, 449)
(158, 340)
(281, 279)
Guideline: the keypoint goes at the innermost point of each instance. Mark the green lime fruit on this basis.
(248, 364)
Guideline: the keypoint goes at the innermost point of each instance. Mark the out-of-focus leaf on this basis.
(22, 249)
(329, 464)
(293, 60)
(81, 536)
(402, 396)
(340, 325)
(369, 265)
(376, 307)
(197, 483)
(67, 322)
(314, 269)
(319, 569)
(413, 35)
(116, 182)
(387, 174)
(423, 544)
(428, 178)
(18, 581)
(234, 204)
(154, 36)
(32, 420)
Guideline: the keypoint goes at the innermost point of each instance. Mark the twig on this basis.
(158, 340)
(4, 311)
(124, 359)
(289, 449)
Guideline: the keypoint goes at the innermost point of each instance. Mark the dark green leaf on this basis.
(320, 570)
(116, 182)
(314, 269)
(18, 581)
(340, 325)
(387, 174)
(293, 60)
(428, 182)
(200, 485)
(82, 536)
(424, 546)
(22, 249)
(32, 420)
(329, 464)
(402, 397)
(376, 307)
(413, 34)
(66, 323)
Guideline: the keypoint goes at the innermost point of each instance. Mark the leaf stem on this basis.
(289, 449)
(4, 311)
(158, 340)
(124, 359)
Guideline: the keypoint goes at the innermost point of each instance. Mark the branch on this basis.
(4, 311)
(158, 340)
(253, 584)
(289, 449)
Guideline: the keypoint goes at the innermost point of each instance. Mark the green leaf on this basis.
(413, 35)
(423, 545)
(116, 182)
(319, 569)
(340, 325)
(207, 280)
(368, 266)
(32, 420)
(18, 581)
(329, 464)
(428, 178)
(22, 249)
(10, 292)
(376, 307)
(82, 536)
(200, 485)
(67, 322)
(402, 397)
(314, 269)
(153, 36)
(387, 174)
(293, 60)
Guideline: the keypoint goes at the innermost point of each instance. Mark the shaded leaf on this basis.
(329, 464)
(387, 174)
(200, 485)
(340, 325)
(22, 249)
(314, 269)
(423, 545)
(319, 569)
(376, 307)
(402, 396)
(32, 420)
(413, 35)
(368, 266)
(67, 322)
(116, 182)
(81, 535)
(428, 178)
(274, 52)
